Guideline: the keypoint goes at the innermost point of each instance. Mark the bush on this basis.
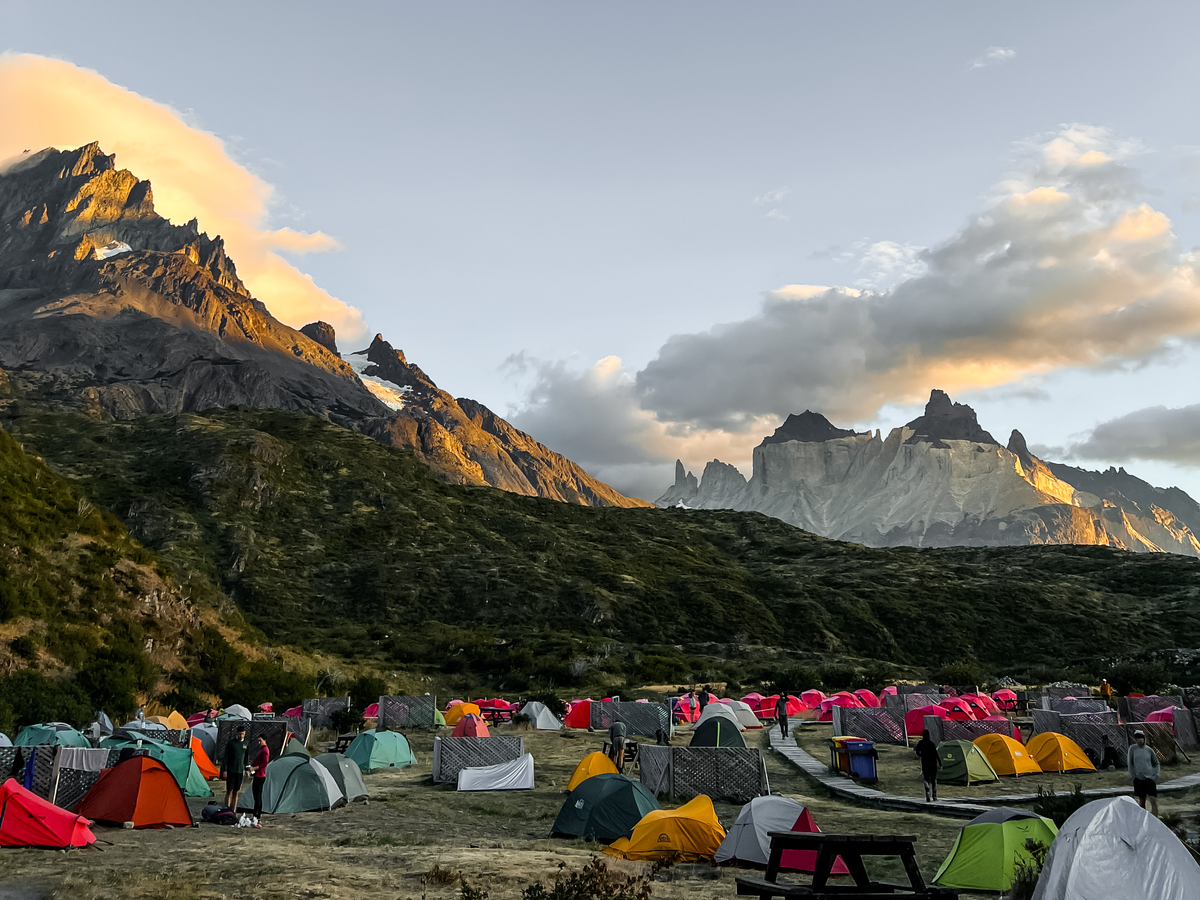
(346, 720)
(1058, 807)
(593, 882)
(1137, 677)
(30, 698)
(1027, 871)
(961, 672)
(796, 679)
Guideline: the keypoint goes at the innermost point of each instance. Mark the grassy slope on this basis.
(327, 539)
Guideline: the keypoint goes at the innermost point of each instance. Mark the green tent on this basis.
(603, 808)
(374, 750)
(295, 748)
(177, 759)
(57, 733)
(963, 763)
(347, 774)
(295, 784)
(438, 718)
(985, 855)
(717, 732)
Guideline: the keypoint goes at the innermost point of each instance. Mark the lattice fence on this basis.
(274, 730)
(1185, 729)
(39, 770)
(1070, 690)
(654, 768)
(883, 726)
(903, 689)
(957, 690)
(321, 708)
(1088, 730)
(645, 719)
(1159, 735)
(300, 729)
(8, 762)
(910, 701)
(1135, 709)
(1071, 707)
(176, 737)
(735, 774)
(407, 712)
(452, 754)
(949, 730)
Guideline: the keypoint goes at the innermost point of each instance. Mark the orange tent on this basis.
(140, 790)
(458, 710)
(595, 763)
(26, 820)
(470, 726)
(203, 763)
(174, 721)
(1058, 753)
(1008, 757)
(689, 834)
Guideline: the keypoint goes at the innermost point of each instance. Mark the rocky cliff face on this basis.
(941, 480)
(109, 307)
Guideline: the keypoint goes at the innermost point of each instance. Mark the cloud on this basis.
(50, 103)
(1155, 433)
(771, 198)
(993, 57)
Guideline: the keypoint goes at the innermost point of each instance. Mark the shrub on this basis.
(1058, 807)
(1027, 871)
(960, 672)
(1137, 676)
(593, 882)
(346, 720)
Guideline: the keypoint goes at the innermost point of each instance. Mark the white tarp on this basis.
(516, 775)
(1115, 850)
(714, 710)
(745, 715)
(540, 715)
(748, 841)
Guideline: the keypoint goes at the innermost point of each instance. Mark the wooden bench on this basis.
(851, 848)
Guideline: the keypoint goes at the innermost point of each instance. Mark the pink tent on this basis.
(811, 698)
(826, 706)
(294, 713)
(984, 702)
(1005, 699)
(266, 707)
(197, 718)
(890, 689)
(453, 703)
(580, 715)
(914, 719)
(1162, 715)
(959, 710)
(867, 698)
(372, 711)
(753, 699)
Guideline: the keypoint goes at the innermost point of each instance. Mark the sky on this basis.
(648, 231)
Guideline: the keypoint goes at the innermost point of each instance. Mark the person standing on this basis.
(1144, 769)
(702, 699)
(1105, 691)
(258, 773)
(233, 767)
(616, 744)
(930, 763)
(781, 713)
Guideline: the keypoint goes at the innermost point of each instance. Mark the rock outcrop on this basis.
(940, 480)
(109, 307)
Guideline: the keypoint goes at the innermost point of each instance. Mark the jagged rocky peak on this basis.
(323, 334)
(683, 478)
(388, 363)
(810, 427)
(945, 420)
(1017, 446)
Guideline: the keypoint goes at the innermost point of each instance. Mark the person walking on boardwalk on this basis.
(781, 713)
(233, 767)
(930, 763)
(258, 772)
(1144, 769)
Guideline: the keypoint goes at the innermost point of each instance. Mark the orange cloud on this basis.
(51, 103)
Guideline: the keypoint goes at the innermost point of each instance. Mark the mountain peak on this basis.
(1017, 445)
(323, 333)
(810, 427)
(945, 420)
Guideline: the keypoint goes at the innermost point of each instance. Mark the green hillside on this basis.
(326, 540)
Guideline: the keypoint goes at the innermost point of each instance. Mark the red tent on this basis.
(867, 698)
(811, 698)
(840, 699)
(1005, 698)
(372, 711)
(470, 725)
(26, 820)
(202, 716)
(890, 689)
(580, 715)
(140, 790)
(958, 708)
(294, 712)
(914, 719)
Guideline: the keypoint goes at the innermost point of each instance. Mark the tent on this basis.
(203, 763)
(717, 733)
(1005, 699)
(812, 698)
(514, 775)
(26, 820)
(4, 740)
(841, 698)
(690, 833)
(294, 748)
(595, 763)
(914, 719)
(964, 763)
(177, 759)
(603, 808)
(58, 733)
(470, 726)
(959, 709)
(981, 704)
(346, 773)
(203, 716)
(986, 852)
(207, 733)
(579, 715)
(795, 706)
(1114, 848)
(867, 698)
(374, 749)
(743, 713)
(541, 717)
(371, 712)
(458, 710)
(749, 843)
(719, 710)
(102, 724)
(295, 784)
(173, 721)
(1006, 756)
(237, 711)
(140, 790)
(1055, 752)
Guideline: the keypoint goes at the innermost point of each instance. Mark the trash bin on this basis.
(861, 759)
(839, 758)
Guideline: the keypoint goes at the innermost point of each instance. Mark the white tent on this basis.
(541, 717)
(237, 711)
(714, 710)
(748, 840)
(1115, 850)
(516, 775)
(4, 741)
(745, 715)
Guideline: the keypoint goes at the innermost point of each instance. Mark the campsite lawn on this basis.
(382, 849)
(900, 772)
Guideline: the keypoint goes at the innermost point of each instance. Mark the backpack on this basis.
(218, 815)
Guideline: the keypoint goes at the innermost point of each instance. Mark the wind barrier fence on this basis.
(274, 730)
(878, 724)
(949, 730)
(1088, 730)
(734, 774)
(408, 712)
(453, 754)
(320, 709)
(645, 719)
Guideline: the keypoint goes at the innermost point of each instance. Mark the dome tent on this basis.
(59, 734)
(458, 710)
(690, 833)
(749, 841)
(178, 759)
(347, 774)
(595, 763)
(540, 716)
(374, 749)
(963, 763)
(1007, 757)
(296, 784)
(1055, 752)
(1114, 848)
(721, 711)
(989, 847)
(603, 808)
(717, 732)
(470, 726)
(140, 790)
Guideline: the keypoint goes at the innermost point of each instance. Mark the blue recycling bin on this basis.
(863, 757)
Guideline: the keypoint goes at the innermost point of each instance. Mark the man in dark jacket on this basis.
(781, 713)
(233, 767)
(930, 763)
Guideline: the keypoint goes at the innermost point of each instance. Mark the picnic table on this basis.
(496, 714)
(851, 848)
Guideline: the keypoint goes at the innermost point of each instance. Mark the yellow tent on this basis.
(688, 834)
(174, 721)
(458, 710)
(1058, 753)
(593, 764)
(1007, 756)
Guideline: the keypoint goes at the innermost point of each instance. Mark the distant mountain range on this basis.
(105, 306)
(939, 481)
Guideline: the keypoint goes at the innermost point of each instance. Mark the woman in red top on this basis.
(258, 769)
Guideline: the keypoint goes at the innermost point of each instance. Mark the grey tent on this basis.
(346, 773)
(541, 717)
(4, 741)
(207, 733)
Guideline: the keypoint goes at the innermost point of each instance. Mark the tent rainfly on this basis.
(541, 717)
(719, 710)
(964, 763)
(690, 833)
(296, 784)
(717, 732)
(140, 790)
(603, 808)
(514, 775)
(749, 842)
(374, 750)
(989, 847)
(347, 774)
(26, 820)
(595, 763)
